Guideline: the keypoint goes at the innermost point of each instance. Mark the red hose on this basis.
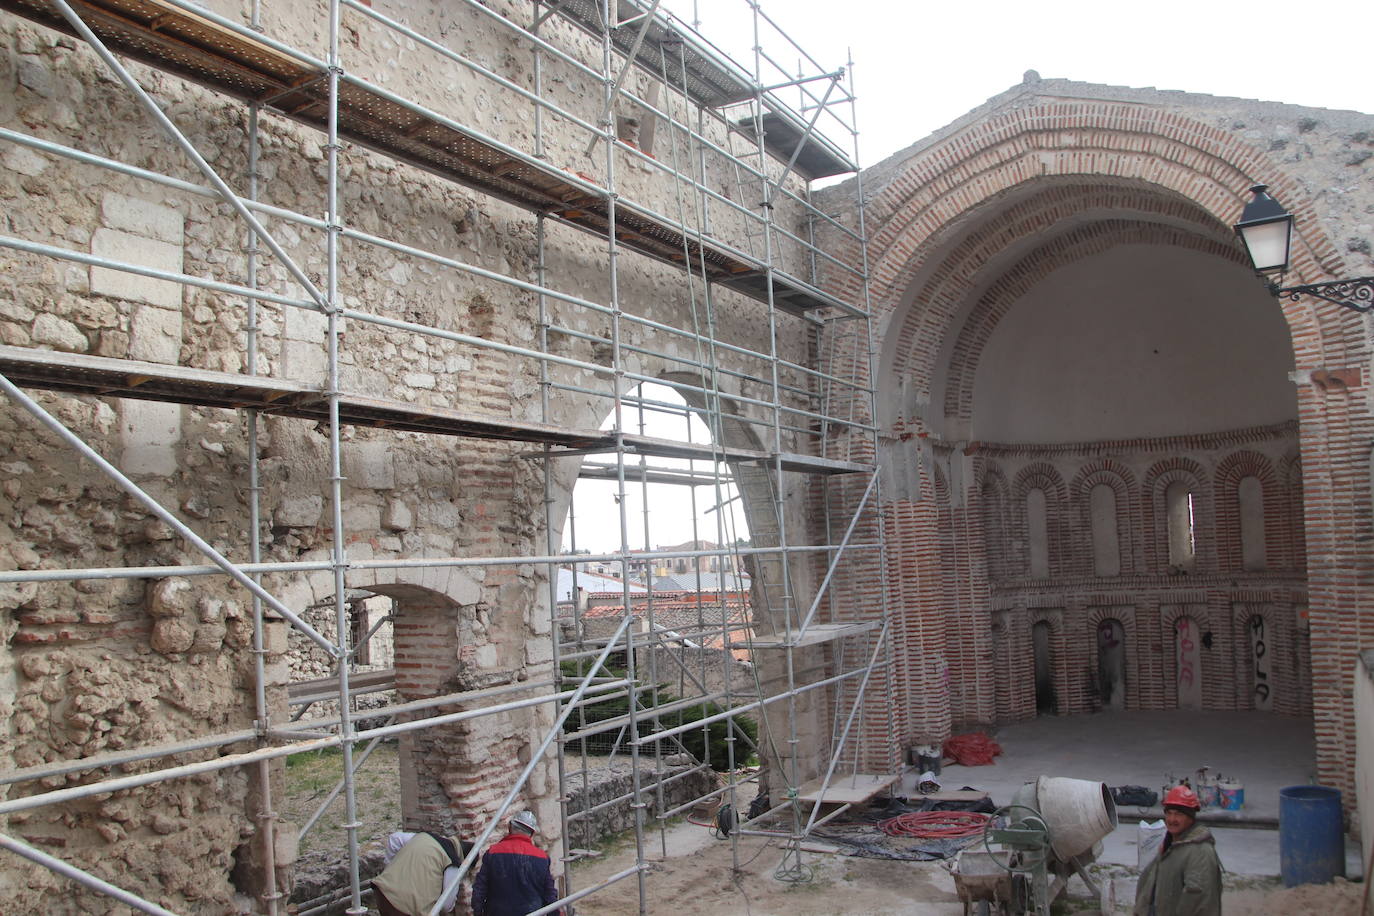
(945, 825)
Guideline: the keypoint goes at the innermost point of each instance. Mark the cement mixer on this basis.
(1050, 831)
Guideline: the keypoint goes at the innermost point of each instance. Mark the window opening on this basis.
(1037, 519)
(1181, 511)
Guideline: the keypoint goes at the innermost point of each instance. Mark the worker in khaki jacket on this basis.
(422, 866)
(1185, 878)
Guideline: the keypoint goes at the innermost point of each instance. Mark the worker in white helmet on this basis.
(515, 878)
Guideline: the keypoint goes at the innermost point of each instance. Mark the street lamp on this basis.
(1266, 230)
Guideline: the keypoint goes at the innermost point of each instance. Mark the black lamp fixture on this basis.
(1266, 230)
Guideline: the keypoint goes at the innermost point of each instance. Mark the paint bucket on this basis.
(1079, 812)
(1208, 795)
(1230, 795)
(1311, 841)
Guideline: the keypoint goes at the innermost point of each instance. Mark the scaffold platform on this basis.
(205, 51)
(80, 373)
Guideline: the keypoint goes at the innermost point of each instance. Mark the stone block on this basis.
(299, 512)
(35, 76)
(304, 362)
(171, 636)
(171, 597)
(423, 380)
(397, 516)
(150, 432)
(155, 335)
(116, 245)
(360, 517)
(368, 464)
(24, 161)
(306, 325)
(463, 587)
(538, 652)
(59, 334)
(142, 217)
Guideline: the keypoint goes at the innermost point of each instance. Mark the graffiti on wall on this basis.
(1263, 692)
(1188, 656)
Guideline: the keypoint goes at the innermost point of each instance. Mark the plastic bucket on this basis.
(1079, 812)
(1230, 796)
(1311, 843)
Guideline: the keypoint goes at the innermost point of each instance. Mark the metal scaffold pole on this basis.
(695, 301)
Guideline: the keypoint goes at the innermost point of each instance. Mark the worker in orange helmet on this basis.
(1185, 878)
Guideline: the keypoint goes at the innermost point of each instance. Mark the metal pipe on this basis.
(822, 589)
(756, 704)
(153, 506)
(91, 260)
(146, 572)
(82, 877)
(228, 761)
(636, 869)
(156, 113)
(446, 898)
(849, 722)
(338, 787)
(609, 102)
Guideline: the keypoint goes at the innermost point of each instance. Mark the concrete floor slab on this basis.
(1265, 752)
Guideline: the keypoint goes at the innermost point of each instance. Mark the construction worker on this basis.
(1185, 878)
(515, 878)
(422, 866)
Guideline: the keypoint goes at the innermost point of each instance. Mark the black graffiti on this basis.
(1262, 689)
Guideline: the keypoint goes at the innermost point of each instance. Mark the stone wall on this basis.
(104, 664)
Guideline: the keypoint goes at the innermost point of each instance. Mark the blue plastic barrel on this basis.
(1311, 842)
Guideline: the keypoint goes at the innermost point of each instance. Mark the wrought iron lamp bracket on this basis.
(1356, 294)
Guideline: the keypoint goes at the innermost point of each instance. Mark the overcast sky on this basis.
(917, 67)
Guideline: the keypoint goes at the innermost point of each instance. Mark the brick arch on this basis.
(1024, 218)
(1230, 471)
(1280, 638)
(1081, 242)
(1124, 615)
(1169, 617)
(1112, 473)
(926, 206)
(994, 504)
(1040, 476)
(436, 652)
(1289, 470)
(1154, 511)
(1053, 618)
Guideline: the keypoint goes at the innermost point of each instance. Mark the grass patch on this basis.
(312, 775)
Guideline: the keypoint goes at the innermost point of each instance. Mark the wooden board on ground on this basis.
(846, 790)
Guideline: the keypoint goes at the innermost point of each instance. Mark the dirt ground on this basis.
(697, 878)
(692, 873)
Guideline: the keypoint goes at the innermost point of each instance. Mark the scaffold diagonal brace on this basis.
(171, 520)
(227, 193)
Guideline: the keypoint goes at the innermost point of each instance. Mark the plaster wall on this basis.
(1102, 350)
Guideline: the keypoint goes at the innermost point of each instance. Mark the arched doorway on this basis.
(1046, 699)
(1058, 278)
(1111, 664)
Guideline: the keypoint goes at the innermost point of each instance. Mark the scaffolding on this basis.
(788, 408)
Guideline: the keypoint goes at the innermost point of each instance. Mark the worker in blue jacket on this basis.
(515, 878)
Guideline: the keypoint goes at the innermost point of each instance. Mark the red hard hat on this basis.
(1182, 797)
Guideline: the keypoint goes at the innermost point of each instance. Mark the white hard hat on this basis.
(526, 819)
